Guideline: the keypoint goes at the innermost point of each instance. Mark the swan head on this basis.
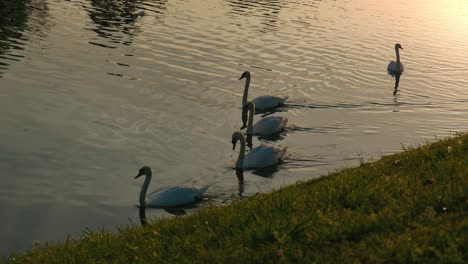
(398, 46)
(145, 170)
(246, 74)
(235, 137)
(234, 142)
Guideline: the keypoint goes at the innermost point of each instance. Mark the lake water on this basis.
(90, 91)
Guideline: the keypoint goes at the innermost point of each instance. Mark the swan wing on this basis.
(391, 66)
(176, 196)
(256, 151)
(267, 101)
(269, 125)
(263, 156)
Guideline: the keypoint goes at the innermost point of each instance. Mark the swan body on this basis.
(171, 197)
(396, 66)
(259, 157)
(265, 126)
(268, 102)
(261, 102)
(393, 67)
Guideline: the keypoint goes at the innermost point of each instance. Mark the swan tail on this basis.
(282, 153)
(203, 189)
(284, 122)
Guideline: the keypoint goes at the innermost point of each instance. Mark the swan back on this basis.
(270, 125)
(264, 156)
(176, 196)
(268, 102)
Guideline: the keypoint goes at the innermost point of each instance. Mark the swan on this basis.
(265, 126)
(171, 197)
(261, 102)
(259, 157)
(396, 66)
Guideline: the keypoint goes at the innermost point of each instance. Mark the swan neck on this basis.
(251, 116)
(144, 189)
(240, 158)
(397, 55)
(142, 214)
(246, 91)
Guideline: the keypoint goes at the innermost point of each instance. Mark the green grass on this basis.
(407, 207)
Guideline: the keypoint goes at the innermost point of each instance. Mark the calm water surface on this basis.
(90, 91)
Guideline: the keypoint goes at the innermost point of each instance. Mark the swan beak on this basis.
(242, 127)
(242, 77)
(139, 174)
(234, 145)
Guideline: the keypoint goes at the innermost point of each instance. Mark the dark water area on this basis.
(90, 91)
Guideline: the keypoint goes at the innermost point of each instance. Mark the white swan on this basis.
(171, 197)
(396, 66)
(266, 126)
(261, 102)
(259, 157)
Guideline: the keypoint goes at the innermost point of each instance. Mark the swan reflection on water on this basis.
(176, 211)
(266, 172)
(172, 211)
(248, 140)
(396, 104)
(397, 82)
(240, 178)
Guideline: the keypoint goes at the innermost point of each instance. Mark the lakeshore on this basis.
(406, 207)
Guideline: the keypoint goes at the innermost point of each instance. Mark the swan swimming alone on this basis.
(261, 102)
(266, 126)
(259, 157)
(396, 66)
(171, 197)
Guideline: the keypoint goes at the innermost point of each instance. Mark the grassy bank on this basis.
(409, 206)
